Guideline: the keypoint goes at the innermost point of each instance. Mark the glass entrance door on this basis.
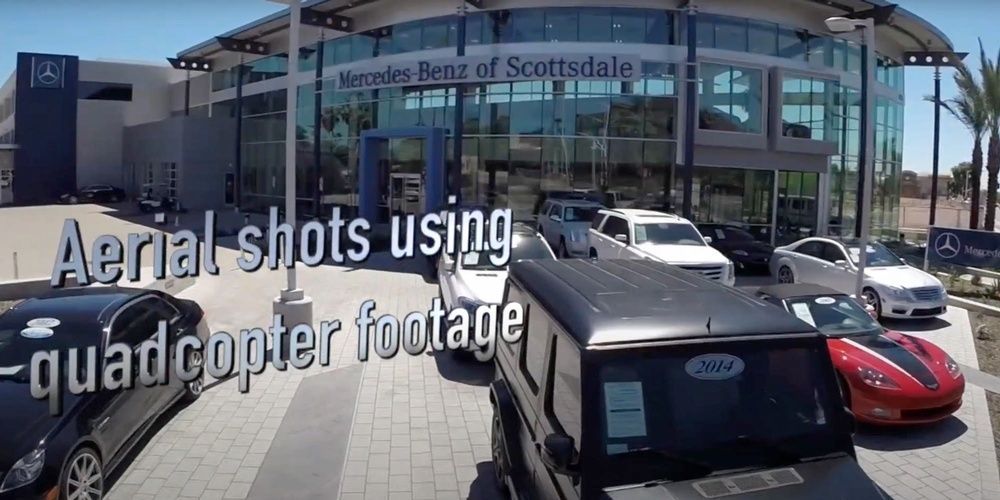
(406, 193)
(798, 203)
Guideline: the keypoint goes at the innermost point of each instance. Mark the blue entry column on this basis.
(434, 184)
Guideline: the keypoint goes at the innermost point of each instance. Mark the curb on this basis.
(971, 305)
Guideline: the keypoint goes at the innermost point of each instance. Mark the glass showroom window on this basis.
(266, 68)
(735, 196)
(730, 98)
(808, 107)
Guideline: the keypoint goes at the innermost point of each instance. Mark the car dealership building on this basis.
(555, 95)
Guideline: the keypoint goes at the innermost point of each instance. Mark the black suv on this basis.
(634, 379)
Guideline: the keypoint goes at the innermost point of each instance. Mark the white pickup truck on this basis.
(645, 234)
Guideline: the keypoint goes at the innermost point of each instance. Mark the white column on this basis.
(292, 303)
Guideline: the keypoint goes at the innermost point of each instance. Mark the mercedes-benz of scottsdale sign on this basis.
(964, 247)
(479, 69)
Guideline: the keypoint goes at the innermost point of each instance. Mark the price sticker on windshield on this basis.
(714, 366)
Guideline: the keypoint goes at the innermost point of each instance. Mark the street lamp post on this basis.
(292, 303)
(867, 27)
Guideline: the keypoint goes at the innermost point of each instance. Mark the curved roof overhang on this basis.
(910, 31)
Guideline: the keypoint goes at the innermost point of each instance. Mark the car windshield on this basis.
(878, 256)
(579, 214)
(522, 248)
(668, 233)
(730, 234)
(19, 341)
(759, 404)
(837, 315)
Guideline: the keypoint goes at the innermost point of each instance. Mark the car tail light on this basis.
(876, 378)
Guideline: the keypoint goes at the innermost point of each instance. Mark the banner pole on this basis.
(927, 248)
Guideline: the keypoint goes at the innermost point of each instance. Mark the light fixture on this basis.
(190, 64)
(840, 24)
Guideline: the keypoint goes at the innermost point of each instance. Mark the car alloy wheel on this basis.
(499, 455)
(195, 387)
(872, 299)
(83, 479)
(785, 275)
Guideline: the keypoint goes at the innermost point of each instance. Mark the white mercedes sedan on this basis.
(893, 288)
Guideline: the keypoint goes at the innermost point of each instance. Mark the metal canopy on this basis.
(329, 20)
(193, 63)
(934, 58)
(244, 46)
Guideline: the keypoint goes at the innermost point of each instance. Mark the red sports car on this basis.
(887, 377)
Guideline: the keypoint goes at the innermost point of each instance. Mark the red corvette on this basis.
(887, 377)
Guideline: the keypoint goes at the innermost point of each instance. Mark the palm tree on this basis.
(969, 108)
(990, 75)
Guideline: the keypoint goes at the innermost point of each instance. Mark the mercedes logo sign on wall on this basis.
(47, 73)
(947, 245)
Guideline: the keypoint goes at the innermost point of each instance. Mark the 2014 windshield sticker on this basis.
(625, 410)
(36, 333)
(714, 366)
(44, 323)
(825, 301)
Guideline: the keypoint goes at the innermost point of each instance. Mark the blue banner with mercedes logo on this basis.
(964, 247)
(47, 72)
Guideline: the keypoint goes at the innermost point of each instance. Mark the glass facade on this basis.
(808, 107)
(730, 98)
(523, 138)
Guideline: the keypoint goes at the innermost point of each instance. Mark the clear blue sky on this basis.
(152, 30)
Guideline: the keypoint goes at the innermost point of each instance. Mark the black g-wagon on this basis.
(636, 379)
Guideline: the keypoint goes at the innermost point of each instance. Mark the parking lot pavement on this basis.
(419, 424)
(954, 459)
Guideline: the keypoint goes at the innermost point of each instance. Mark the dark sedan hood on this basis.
(24, 420)
(840, 477)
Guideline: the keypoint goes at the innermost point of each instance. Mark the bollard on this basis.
(16, 273)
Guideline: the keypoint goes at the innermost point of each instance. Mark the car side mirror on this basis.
(841, 263)
(708, 239)
(557, 453)
(448, 263)
(555, 218)
(622, 238)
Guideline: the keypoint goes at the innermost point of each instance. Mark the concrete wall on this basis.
(99, 142)
(150, 86)
(207, 159)
(193, 143)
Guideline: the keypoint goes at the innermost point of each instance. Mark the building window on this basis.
(808, 107)
(730, 98)
(103, 91)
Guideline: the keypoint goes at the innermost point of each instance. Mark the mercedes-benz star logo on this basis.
(47, 72)
(947, 245)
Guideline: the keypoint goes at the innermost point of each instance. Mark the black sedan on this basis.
(749, 254)
(68, 454)
(95, 193)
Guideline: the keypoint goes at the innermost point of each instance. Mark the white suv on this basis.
(645, 234)
(564, 224)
